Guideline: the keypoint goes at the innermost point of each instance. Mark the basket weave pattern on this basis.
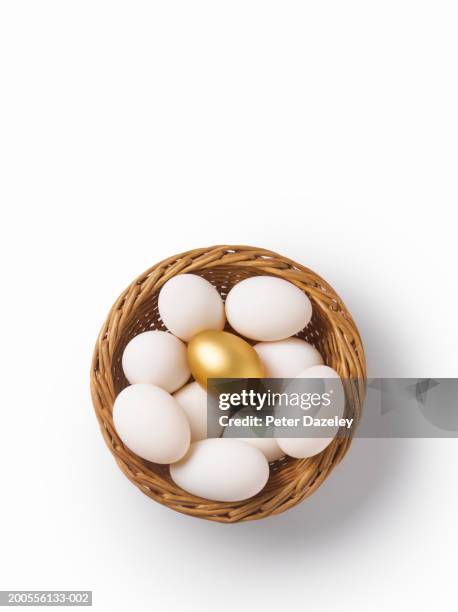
(331, 330)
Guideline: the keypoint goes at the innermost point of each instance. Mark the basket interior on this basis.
(146, 318)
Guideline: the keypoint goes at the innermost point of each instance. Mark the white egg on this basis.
(222, 470)
(302, 448)
(193, 401)
(268, 445)
(267, 308)
(158, 358)
(318, 371)
(332, 384)
(151, 423)
(287, 358)
(189, 304)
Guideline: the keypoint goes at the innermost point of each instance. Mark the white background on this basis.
(131, 131)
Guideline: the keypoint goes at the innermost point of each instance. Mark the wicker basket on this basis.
(331, 330)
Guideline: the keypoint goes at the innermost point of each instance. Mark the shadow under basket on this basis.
(331, 330)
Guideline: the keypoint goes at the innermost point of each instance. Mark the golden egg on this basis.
(219, 354)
